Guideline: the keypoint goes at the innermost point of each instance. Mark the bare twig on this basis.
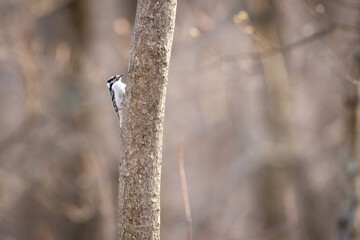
(327, 30)
(351, 80)
(184, 187)
(346, 4)
(18, 134)
(265, 53)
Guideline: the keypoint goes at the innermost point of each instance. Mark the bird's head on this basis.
(113, 79)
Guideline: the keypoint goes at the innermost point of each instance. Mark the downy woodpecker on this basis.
(117, 93)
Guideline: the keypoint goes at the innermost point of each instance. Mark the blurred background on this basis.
(264, 92)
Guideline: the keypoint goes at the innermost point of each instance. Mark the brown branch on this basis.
(331, 26)
(256, 54)
(184, 187)
(351, 80)
(346, 4)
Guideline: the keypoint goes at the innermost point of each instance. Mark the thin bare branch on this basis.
(256, 54)
(184, 187)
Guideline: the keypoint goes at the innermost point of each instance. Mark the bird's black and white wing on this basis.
(112, 94)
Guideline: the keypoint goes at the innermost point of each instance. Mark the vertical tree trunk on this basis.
(272, 187)
(141, 134)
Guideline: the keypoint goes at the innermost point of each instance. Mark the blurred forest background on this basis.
(264, 91)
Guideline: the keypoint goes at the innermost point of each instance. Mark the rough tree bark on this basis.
(141, 134)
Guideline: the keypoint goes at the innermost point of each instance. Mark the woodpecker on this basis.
(117, 93)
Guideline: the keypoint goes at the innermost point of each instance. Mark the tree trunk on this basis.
(141, 134)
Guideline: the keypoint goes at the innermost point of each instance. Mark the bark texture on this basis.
(141, 134)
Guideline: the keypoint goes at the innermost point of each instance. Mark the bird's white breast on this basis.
(119, 89)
